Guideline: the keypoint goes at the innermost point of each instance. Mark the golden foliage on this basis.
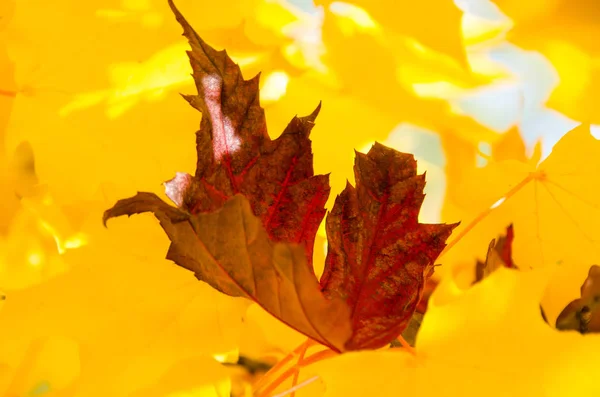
(90, 112)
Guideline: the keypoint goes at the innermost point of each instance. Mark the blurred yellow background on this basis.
(479, 91)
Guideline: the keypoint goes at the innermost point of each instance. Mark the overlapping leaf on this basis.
(246, 221)
(230, 250)
(83, 106)
(238, 254)
(582, 313)
(379, 255)
(554, 207)
(476, 340)
(370, 73)
(236, 155)
(499, 255)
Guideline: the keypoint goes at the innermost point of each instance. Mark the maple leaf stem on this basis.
(406, 346)
(485, 213)
(297, 374)
(293, 370)
(10, 94)
(283, 362)
(322, 355)
(278, 381)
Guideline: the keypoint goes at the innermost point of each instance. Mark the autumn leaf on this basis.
(379, 256)
(370, 74)
(582, 314)
(552, 206)
(246, 221)
(499, 255)
(473, 340)
(235, 155)
(105, 89)
(230, 250)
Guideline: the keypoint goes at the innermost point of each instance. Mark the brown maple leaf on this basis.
(499, 254)
(583, 314)
(245, 223)
(236, 155)
(229, 249)
(379, 255)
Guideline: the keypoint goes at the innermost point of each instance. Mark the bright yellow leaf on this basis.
(554, 207)
(489, 339)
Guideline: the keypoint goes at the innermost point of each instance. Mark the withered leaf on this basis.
(245, 223)
(410, 332)
(236, 155)
(379, 255)
(499, 254)
(583, 314)
(229, 248)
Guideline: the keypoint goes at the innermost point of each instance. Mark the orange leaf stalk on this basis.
(268, 386)
(488, 211)
(406, 345)
(282, 363)
(297, 373)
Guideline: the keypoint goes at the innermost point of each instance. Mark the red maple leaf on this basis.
(379, 255)
(246, 221)
(236, 155)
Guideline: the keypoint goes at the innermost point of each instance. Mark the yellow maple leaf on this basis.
(553, 207)
(490, 337)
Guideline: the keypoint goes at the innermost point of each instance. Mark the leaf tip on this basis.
(313, 116)
(176, 12)
(105, 217)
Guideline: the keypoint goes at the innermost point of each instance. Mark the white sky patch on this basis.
(356, 14)
(485, 151)
(426, 146)
(275, 86)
